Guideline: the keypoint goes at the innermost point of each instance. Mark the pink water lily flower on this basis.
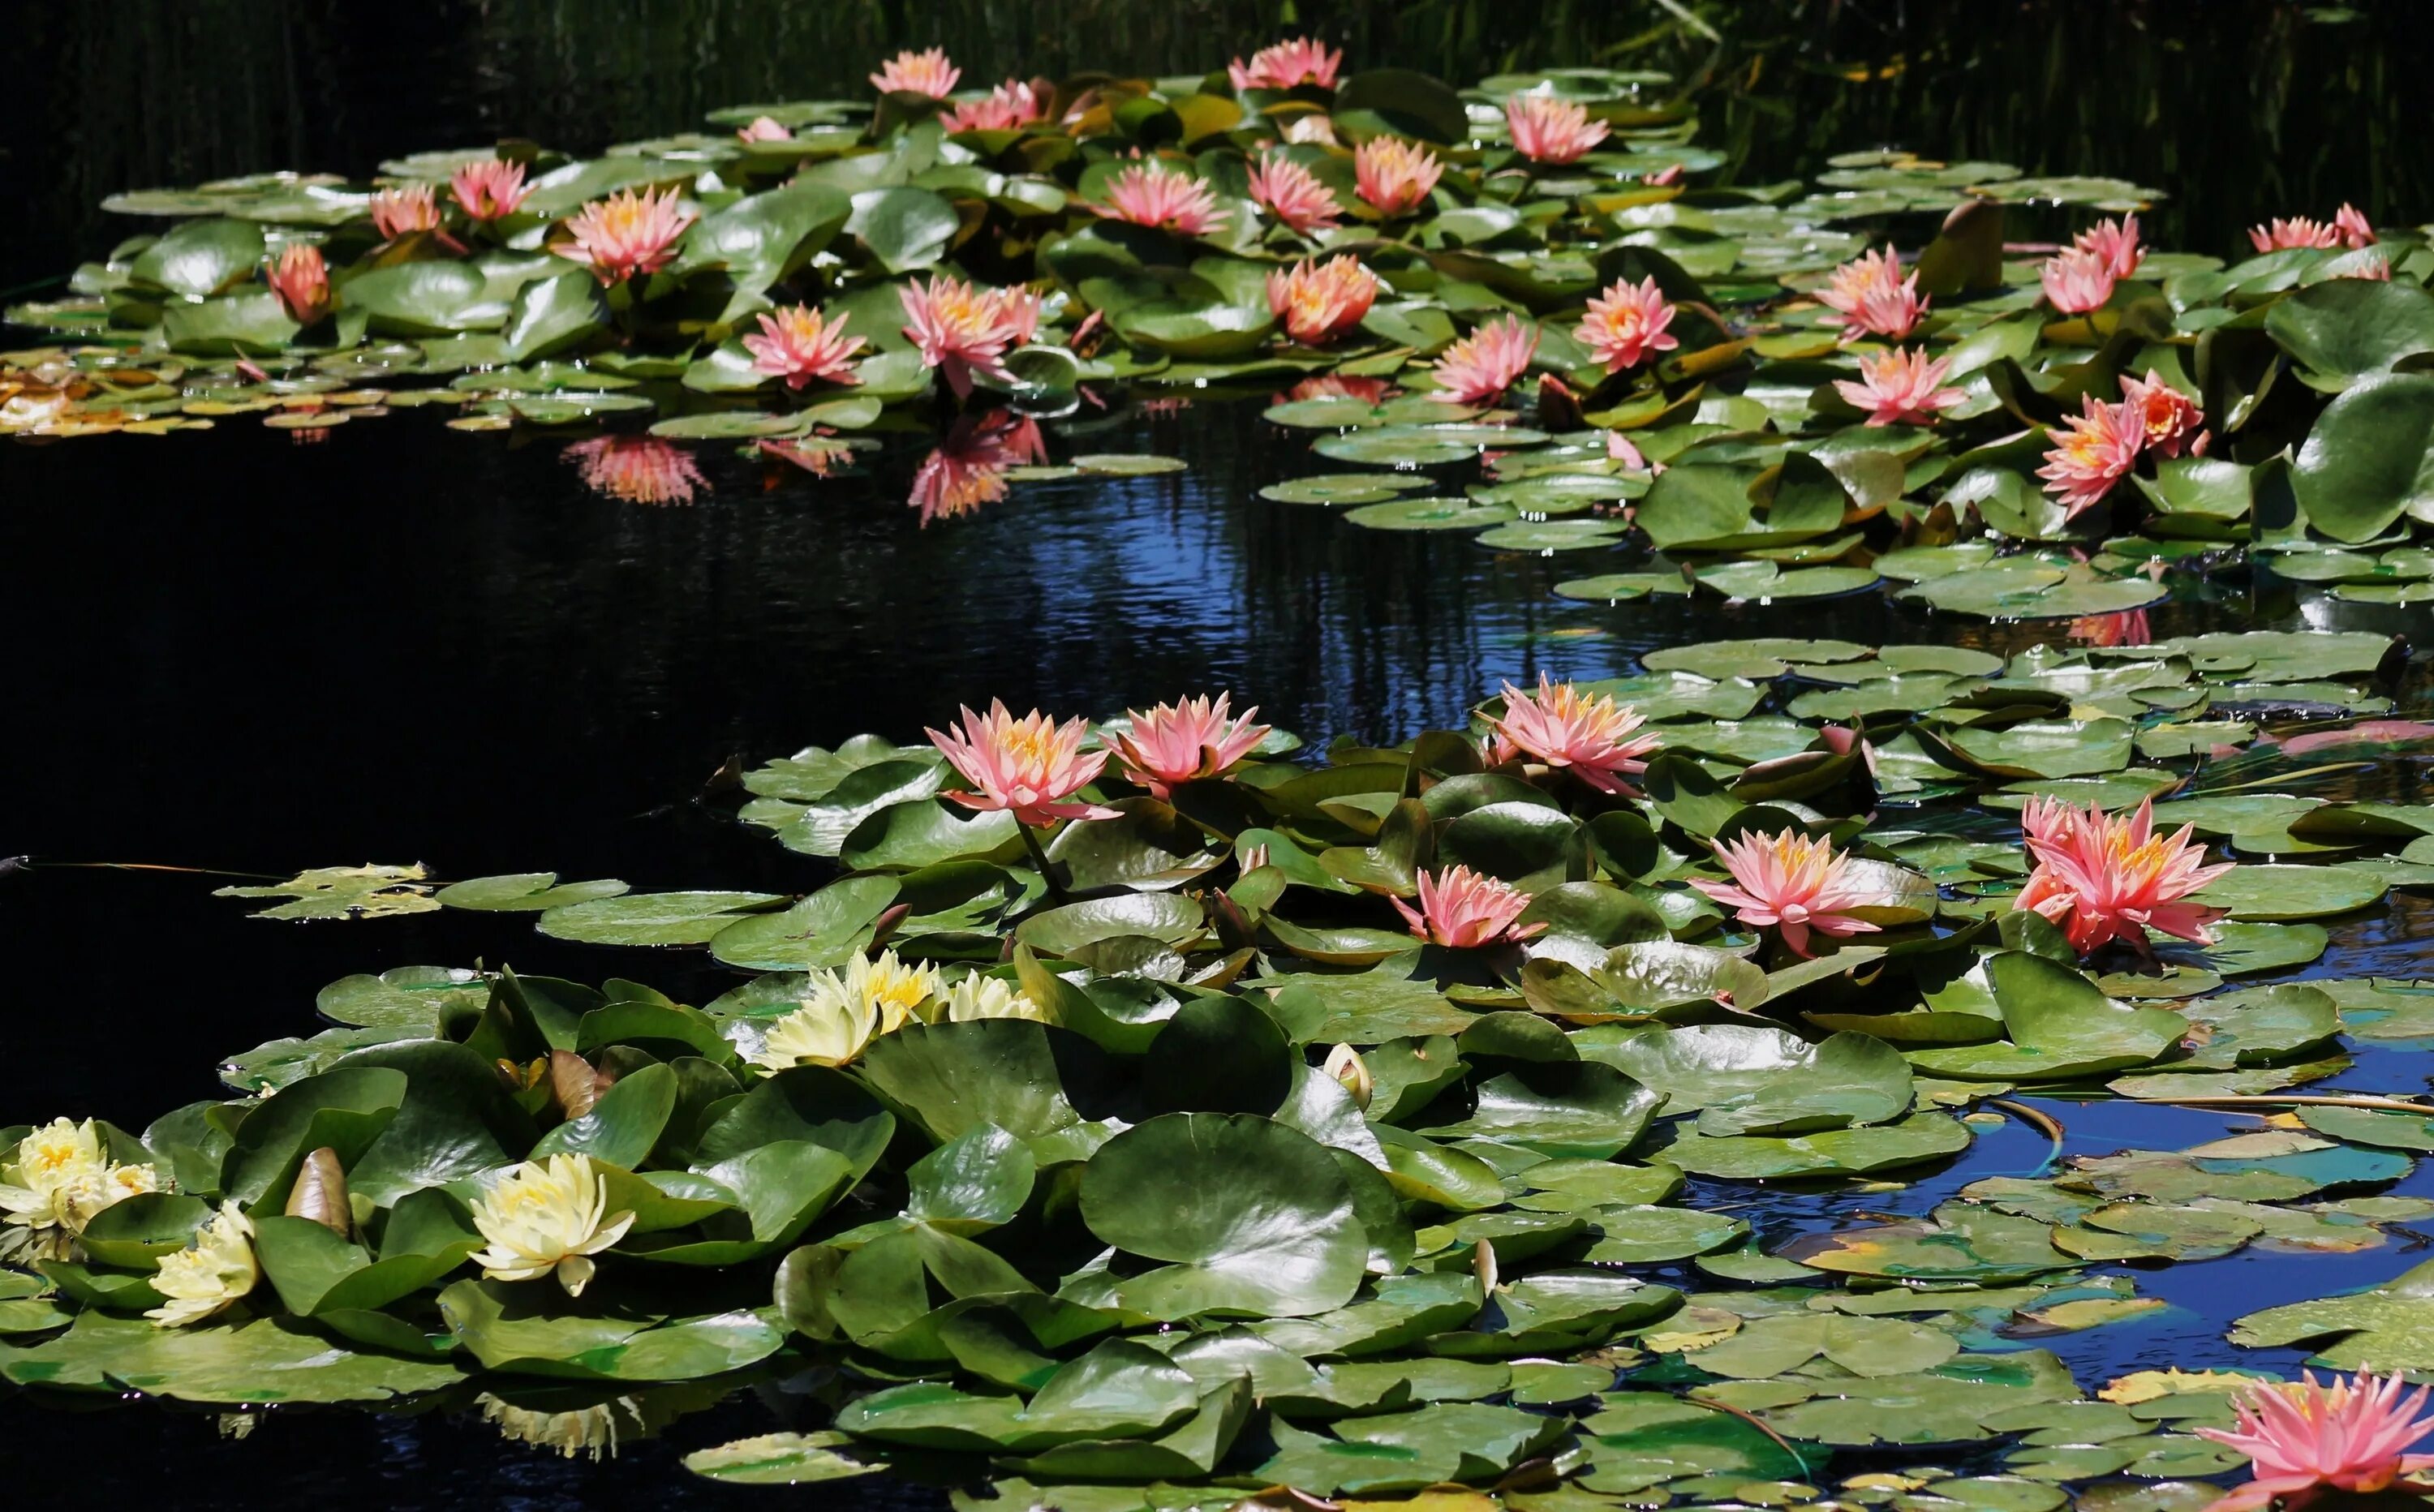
(302, 281)
(926, 73)
(1898, 387)
(2077, 281)
(1791, 881)
(1393, 174)
(801, 344)
(2115, 242)
(1292, 194)
(1462, 909)
(2304, 1437)
(2097, 448)
(1028, 767)
(2124, 627)
(1148, 193)
(404, 210)
(2352, 223)
(1185, 740)
(1590, 735)
(1547, 129)
(1626, 324)
(2104, 877)
(764, 129)
(1283, 65)
(1874, 297)
(636, 469)
(1481, 365)
(962, 329)
(2170, 419)
(2279, 235)
(489, 190)
(1318, 303)
(1011, 105)
(627, 233)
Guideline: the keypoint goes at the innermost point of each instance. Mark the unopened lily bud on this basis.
(1344, 1064)
(320, 1193)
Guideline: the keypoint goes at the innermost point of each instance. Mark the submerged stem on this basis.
(2045, 1123)
(2298, 1100)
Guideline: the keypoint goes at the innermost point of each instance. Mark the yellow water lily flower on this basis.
(63, 1178)
(827, 1031)
(978, 997)
(844, 1011)
(547, 1217)
(894, 990)
(211, 1272)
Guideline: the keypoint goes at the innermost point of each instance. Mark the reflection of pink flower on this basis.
(2102, 877)
(1011, 105)
(1463, 910)
(1186, 740)
(1627, 323)
(968, 468)
(2280, 235)
(1592, 736)
(1393, 174)
(2352, 223)
(627, 233)
(2115, 242)
(910, 73)
(1484, 364)
(1318, 303)
(489, 189)
(404, 210)
(1292, 194)
(800, 343)
(2126, 627)
(302, 281)
(2077, 281)
(1285, 64)
(636, 469)
(2375, 268)
(1791, 881)
(1874, 298)
(1147, 193)
(961, 327)
(1547, 129)
(2303, 1438)
(2100, 446)
(2170, 419)
(764, 129)
(1898, 387)
(814, 453)
(1338, 385)
(1028, 767)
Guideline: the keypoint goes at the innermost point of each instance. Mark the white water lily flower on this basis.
(547, 1217)
(829, 1031)
(63, 1178)
(894, 990)
(213, 1271)
(978, 997)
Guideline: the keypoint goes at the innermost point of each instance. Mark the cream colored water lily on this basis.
(63, 1178)
(978, 997)
(211, 1272)
(844, 1011)
(546, 1216)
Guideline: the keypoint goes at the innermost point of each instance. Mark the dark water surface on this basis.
(236, 650)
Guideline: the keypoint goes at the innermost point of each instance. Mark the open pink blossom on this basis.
(764, 129)
(1463, 910)
(1028, 767)
(627, 233)
(1186, 740)
(302, 281)
(1791, 881)
(962, 329)
(404, 210)
(1547, 129)
(1011, 105)
(1898, 387)
(1285, 64)
(2077, 281)
(1393, 174)
(2170, 419)
(2115, 242)
(802, 346)
(489, 190)
(2102, 877)
(1149, 193)
(1481, 365)
(1292, 194)
(1320, 301)
(927, 74)
(1626, 324)
(2304, 1437)
(636, 469)
(1590, 735)
(2279, 235)
(2355, 230)
(2096, 450)
(1874, 297)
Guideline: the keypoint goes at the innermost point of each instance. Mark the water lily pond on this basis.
(1808, 887)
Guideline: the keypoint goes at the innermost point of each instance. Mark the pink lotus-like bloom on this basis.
(489, 190)
(1463, 910)
(2352, 223)
(2302, 1437)
(2102, 877)
(2278, 235)
(1182, 741)
(1028, 767)
(968, 468)
(302, 281)
(2077, 281)
(404, 210)
(2170, 419)
(1393, 174)
(800, 343)
(1320, 301)
(636, 469)
(1592, 736)
(961, 327)
(1898, 387)
(1147, 193)
(1791, 881)
(764, 129)
(1011, 105)
(1484, 364)
(2099, 449)
(1665, 178)
(1874, 298)
(1282, 65)
(2125, 627)
(627, 233)
(1547, 129)
(926, 73)
(2374, 267)
(1626, 324)
(1292, 194)
(2115, 242)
